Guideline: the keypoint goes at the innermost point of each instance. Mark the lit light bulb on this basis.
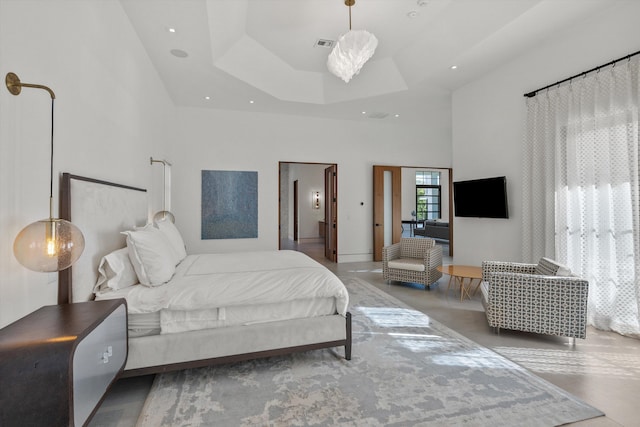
(51, 239)
(48, 245)
(51, 248)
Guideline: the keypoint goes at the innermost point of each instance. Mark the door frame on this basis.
(331, 213)
(379, 219)
(376, 199)
(296, 223)
(326, 164)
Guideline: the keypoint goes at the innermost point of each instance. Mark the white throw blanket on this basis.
(209, 281)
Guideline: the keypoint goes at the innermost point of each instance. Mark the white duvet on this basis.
(210, 281)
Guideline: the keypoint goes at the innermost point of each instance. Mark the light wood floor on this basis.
(603, 370)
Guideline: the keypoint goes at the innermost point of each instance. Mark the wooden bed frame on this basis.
(102, 210)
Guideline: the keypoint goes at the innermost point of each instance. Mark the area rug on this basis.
(406, 370)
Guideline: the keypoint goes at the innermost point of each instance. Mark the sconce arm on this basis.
(14, 85)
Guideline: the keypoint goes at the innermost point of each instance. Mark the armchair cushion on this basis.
(413, 264)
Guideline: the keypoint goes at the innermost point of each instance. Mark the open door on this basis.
(387, 198)
(331, 213)
(296, 214)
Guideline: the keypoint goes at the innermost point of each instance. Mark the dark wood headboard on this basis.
(101, 210)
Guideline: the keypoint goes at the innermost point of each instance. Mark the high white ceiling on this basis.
(265, 50)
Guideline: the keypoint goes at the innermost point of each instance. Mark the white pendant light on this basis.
(352, 50)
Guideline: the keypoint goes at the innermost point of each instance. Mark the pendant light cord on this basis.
(51, 159)
(349, 16)
(51, 165)
(14, 85)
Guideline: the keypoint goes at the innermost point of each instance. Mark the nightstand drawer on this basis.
(97, 360)
(52, 362)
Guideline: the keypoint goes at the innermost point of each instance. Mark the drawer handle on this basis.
(107, 354)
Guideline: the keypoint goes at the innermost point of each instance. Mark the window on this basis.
(428, 195)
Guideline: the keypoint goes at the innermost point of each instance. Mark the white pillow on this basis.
(550, 267)
(174, 237)
(115, 272)
(151, 254)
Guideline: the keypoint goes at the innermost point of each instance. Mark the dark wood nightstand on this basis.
(57, 363)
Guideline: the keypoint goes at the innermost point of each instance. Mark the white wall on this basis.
(225, 140)
(489, 121)
(110, 111)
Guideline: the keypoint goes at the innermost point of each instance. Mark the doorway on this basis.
(387, 221)
(394, 203)
(307, 209)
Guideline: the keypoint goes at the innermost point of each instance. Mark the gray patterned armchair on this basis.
(543, 298)
(412, 260)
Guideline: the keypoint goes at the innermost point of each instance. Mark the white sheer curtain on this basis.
(581, 201)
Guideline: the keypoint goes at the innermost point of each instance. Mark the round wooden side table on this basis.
(463, 275)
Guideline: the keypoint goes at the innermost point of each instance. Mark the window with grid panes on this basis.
(428, 195)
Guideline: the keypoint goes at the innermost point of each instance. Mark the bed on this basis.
(216, 308)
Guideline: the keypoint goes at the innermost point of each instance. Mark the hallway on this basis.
(313, 247)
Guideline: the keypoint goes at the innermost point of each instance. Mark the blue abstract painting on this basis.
(229, 204)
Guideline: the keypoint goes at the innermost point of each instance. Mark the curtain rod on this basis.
(584, 73)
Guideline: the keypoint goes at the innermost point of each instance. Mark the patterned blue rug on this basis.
(407, 370)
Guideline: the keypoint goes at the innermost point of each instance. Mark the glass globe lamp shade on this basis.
(48, 245)
(164, 216)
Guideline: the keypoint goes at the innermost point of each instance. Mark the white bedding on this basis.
(264, 285)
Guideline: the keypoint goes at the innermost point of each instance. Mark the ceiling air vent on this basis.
(328, 44)
(377, 115)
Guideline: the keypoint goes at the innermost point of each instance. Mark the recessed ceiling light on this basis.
(397, 115)
(422, 3)
(251, 102)
(454, 67)
(364, 112)
(172, 30)
(413, 14)
(179, 53)
(207, 98)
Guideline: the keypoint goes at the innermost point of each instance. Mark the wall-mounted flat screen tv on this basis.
(481, 198)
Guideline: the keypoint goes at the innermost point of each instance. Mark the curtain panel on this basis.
(581, 198)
